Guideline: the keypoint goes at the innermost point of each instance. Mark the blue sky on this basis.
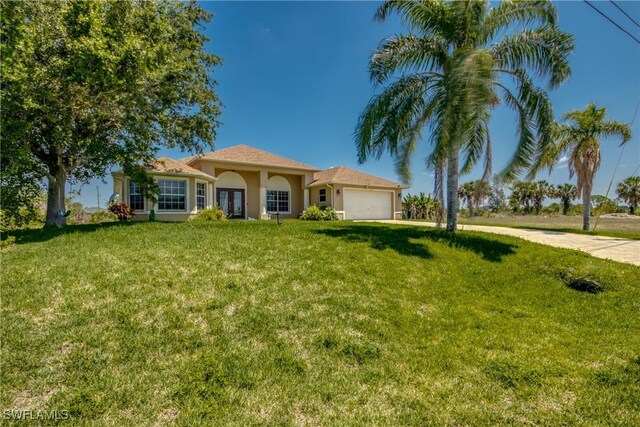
(295, 80)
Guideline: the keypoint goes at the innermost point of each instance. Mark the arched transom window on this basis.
(278, 195)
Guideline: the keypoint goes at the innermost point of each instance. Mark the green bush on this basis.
(314, 213)
(10, 240)
(99, 217)
(212, 214)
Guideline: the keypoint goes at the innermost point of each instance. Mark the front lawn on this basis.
(250, 323)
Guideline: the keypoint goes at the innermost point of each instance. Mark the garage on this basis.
(368, 204)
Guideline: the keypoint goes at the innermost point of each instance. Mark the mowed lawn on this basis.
(250, 323)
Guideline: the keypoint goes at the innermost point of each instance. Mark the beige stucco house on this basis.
(250, 183)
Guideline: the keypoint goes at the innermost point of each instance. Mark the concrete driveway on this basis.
(613, 248)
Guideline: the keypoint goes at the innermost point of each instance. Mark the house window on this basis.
(173, 195)
(201, 195)
(277, 201)
(136, 199)
(323, 195)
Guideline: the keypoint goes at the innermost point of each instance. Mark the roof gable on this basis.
(249, 155)
(177, 167)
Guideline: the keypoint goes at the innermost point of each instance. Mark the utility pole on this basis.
(98, 192)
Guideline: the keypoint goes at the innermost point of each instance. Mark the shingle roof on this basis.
(171, 166)
(249, 155)
(345, 175)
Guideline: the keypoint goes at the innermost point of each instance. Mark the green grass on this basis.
(248, 323)
(625, 228)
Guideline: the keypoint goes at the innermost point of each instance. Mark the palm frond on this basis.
(543, 51)
(429, 17)
(613, 128)
(399, 54)
(517, 12)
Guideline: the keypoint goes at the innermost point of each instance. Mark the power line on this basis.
(625, 13)
(612, 21)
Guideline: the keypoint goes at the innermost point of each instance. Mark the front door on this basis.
(231, 201)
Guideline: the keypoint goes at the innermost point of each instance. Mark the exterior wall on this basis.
(121, 187)
(255, 178)
(252, 195)
(314, 196)
(296, 197)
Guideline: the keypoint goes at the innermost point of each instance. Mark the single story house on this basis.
(246, 182)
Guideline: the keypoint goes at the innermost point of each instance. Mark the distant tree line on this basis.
(480, 197)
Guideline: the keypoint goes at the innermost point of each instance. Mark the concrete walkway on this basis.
(613, 248)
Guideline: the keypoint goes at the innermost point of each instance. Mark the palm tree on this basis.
(579, 136)
(629, 191)
(541, 190)
(465, 193)
(451, 67)
(566, 193)
(522, 195)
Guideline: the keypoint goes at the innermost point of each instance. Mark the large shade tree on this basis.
(88, 85)
(629, 191)
(579, 136)
(459, 60)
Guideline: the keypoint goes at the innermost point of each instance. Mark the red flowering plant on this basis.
(122, 211)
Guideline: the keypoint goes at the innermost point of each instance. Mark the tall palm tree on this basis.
(629, 191)
(579, 136)
(566, 193)
(448, 73)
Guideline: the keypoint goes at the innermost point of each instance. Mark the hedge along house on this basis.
(249, 183)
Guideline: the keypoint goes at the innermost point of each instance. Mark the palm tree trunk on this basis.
(452, 189)
(586, 206)
(438, 191)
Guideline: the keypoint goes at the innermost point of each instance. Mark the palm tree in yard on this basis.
(629, 191)
(566, 193)
(457, 63)
(579, 136)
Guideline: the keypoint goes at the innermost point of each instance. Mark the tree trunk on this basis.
(452, 190)
(632, 209)
(565, 206)
(439, 193)
(586, 206)
(55, 199)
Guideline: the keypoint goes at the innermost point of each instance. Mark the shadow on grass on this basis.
(34, 235)
(399, 239)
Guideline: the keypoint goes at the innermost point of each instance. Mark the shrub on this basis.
(99, 217)
(122, 211)
(212, 214)
(10, 240)
(314, 213)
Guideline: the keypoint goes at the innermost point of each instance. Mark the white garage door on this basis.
(367, 204)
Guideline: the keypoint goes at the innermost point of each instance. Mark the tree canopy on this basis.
(90, 85)
(461, 59)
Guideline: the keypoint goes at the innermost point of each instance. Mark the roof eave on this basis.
(360, 184)
(154, 172)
